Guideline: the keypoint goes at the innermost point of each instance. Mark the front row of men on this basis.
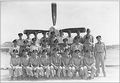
(77, 61)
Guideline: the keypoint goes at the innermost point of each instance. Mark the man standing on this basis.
(20, 43)
(100, 55)
(70, 39)
(80, 38)
(20, 40)
(28, 39)
(14, 47)
(43, 38)
(60, 38)
(88, 36)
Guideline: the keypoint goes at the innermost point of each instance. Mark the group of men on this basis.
(56, 56)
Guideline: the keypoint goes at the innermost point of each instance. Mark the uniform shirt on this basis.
(14, 48)
(56, 60)
(99, 47)
(39, 60)
(89, 61)
(55, 30)
(34, 61)
(34, 47)
(51, 41)
(43, 38)
(53, 47)
(77, 55)
(76, 61)
(20, 42)
(37, 42)
(70, 40)
(77, 47)
(80, 39)
(66, 60)
(15, 61)
(60, 39)
(88, 47)
(25, 61)
(45, 61)
(65, 47)
(90, 37)
(29, 41)
(45, 48)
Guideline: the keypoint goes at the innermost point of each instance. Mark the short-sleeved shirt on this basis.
(63, 47)
(80, 39)
(89, 37)
(56, 60)
(56, 32)
(43, 38)
(37, 42)
(45, 48)
(88, 47)
(34, 61)
(25, 61)
(29, 41)
(15, 61)
(89, 61)
(76, 61)
(20, 42)
(45, 61)
(77, 47)
(66, 60)
(60, 39)
(51, 41)
(100, 47)
(53, 47)
(70, 40)
(14, 48)
(34, 47)
(39, 60)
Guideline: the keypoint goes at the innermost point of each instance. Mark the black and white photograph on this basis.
(59, 41)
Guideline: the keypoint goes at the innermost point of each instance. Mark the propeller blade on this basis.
(54, 13)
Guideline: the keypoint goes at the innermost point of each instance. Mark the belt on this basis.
(100, 52)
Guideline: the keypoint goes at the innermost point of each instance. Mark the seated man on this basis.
(45, 46)
(76, 46)
(56, 61)
(89, 64)
(66, 57)
(65, 45)
(39, 68)
(14, 63)
(45, 63)
(34, 61)
(77, 62)
(24, 62)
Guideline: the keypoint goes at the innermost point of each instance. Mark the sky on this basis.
(102, 17)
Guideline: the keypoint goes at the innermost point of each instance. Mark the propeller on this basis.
(54, 13)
